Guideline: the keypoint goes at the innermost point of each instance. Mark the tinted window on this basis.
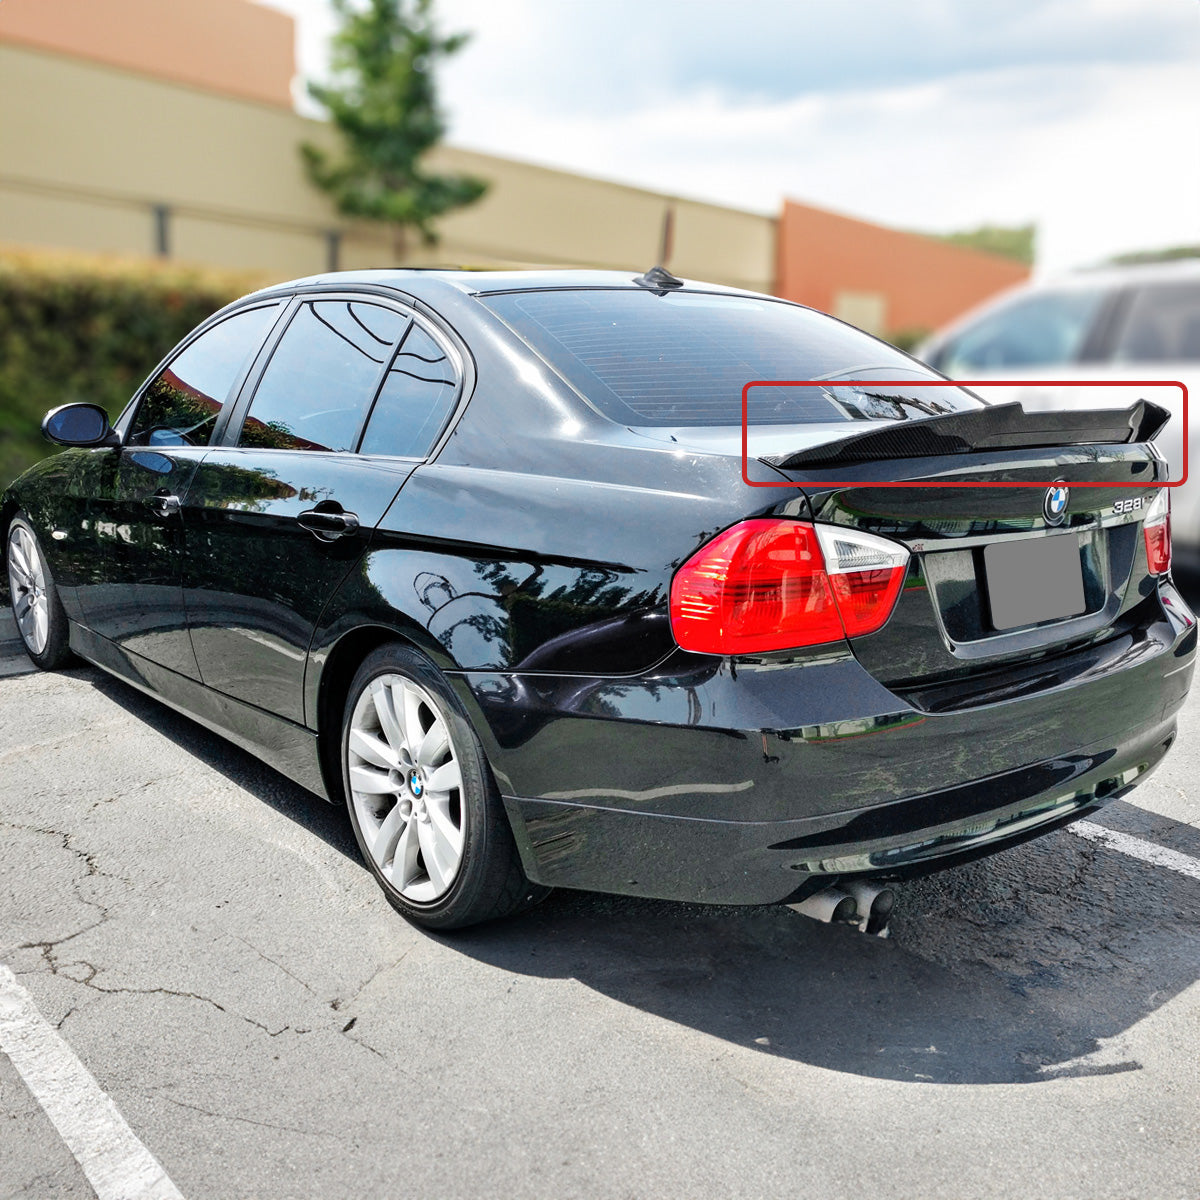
(1039, 329)
(322, 377)
(1163, 326)
(415, 399)
(181, 405)
(683, 358)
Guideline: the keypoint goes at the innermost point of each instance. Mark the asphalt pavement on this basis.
(202, 937)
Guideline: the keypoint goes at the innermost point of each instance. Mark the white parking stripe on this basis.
(1136, 847)
(116, 1164)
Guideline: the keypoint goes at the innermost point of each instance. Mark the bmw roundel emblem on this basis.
(416, 783)
(1054, 507)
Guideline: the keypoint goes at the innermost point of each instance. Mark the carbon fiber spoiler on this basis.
(999, 427)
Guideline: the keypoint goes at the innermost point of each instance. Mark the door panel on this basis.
(135, 597)
(134, 527)
(275, 523)
(255, 578)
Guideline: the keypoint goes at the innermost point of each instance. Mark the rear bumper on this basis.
(755, 784)
(731, 862)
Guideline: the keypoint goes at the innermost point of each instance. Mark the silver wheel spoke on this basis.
(445, 778)
(440, 860)
(404, 872)
(389, 834)
(371, 780)
(385, 710)
(19, 558)
(373, 749)
(433, 745)
(445, 831)
(410, 715)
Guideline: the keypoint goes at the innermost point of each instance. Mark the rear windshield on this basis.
(684, 357)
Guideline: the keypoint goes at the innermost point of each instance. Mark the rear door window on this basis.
(1163, 325)
(415, 400)
(180, 406)
(323, 376)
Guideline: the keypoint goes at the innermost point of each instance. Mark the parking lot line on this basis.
(1135, 847)
(116, 1164)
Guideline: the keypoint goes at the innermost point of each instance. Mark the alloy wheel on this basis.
(406, 787)
(27, 581)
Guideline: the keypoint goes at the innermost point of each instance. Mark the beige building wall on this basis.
(88, 150)
(233, 46)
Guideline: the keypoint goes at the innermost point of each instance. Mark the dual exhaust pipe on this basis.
(856, 903)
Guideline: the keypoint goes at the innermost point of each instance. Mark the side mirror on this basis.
(78, 425)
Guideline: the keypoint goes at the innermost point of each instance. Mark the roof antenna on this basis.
(659, 280)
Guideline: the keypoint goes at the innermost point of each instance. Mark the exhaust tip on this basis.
(874, 905)
(830, 906)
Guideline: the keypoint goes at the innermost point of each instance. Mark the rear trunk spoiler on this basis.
(999, 427)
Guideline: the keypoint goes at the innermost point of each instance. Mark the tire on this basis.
(36, 607)
(423, 804)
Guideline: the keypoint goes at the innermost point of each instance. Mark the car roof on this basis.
(430, 283)
(1181, 269)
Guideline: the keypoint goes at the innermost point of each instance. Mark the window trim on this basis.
(448, 349)
(128, 415)
(249, 385)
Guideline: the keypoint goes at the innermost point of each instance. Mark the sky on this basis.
(937, 115)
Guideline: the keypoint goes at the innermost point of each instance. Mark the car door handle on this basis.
(164, 504)
(326, 524)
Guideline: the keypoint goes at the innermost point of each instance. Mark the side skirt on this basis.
(291, 749)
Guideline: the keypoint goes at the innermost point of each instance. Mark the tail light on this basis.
(1157, 532)
(778, 585)
(867, 573)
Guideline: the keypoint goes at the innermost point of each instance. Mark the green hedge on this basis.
(84, 328)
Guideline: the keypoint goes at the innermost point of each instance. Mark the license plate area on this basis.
(1034, 580)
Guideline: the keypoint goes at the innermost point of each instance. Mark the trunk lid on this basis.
(960, 620)
(976, 550)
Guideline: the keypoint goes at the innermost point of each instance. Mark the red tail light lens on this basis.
(1157, 532)
(778, 585)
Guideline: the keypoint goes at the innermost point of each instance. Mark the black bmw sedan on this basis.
(481, 556)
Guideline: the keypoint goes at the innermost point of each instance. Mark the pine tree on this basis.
(383, 102)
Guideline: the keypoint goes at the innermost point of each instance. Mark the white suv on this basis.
(1117, 323)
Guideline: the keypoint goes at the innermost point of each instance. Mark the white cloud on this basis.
(624, 54)
(1083, 115)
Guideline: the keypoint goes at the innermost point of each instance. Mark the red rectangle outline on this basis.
(1014, 383)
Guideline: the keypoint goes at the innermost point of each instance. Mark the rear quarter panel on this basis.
(543, 537)
(517, 572)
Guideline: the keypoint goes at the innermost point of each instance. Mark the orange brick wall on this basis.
(230, 46)
(924, 282)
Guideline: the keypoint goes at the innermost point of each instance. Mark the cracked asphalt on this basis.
(203, 935)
